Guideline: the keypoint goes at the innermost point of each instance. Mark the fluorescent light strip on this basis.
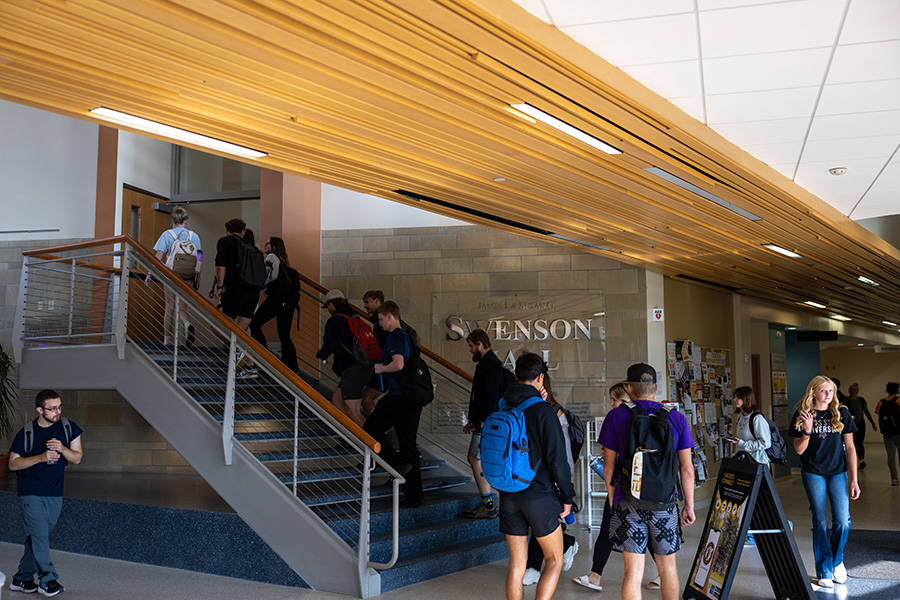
(867, 281)
(783, 251)
(889, 323)
(174, 133)
(565, 128)
(841, 318)
(814, 304)
(702, 193)
(560, 236)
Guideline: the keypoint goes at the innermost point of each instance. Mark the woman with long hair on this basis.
(751, 434)
(276, 305)
(823, 437)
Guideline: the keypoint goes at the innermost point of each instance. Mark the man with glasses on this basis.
(40, 452)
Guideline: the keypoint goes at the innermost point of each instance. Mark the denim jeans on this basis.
(828, 549)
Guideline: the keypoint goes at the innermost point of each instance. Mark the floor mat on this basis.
(873, 554)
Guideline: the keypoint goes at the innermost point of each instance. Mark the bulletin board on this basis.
(700, 386)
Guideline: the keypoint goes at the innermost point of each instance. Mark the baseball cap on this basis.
(332, 295)
(641, 373)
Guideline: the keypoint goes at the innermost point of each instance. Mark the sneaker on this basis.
(569, 556)
(481, 512)
(26, 587)
(51, 589)
(826, 583)
(189, 340)
(531, 576)
(862, 465)
(247, 373)
(840, 573)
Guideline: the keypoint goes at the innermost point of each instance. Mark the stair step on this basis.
(346, 473)
(262, 417)
(433, 537)
(270, 457)
(323, 497)
(274, 436)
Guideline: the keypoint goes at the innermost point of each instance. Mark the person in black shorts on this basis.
(540, 506)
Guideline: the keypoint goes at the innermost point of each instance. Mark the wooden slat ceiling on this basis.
(385, 95)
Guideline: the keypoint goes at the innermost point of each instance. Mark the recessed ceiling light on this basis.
(565, 128)
(182, 135)
(702, 193)
(790, 328)
(499, 179)
(867, 281)
(889, 323)
(814, 304)
(841, 318)
(860, 344)
(560, 236)
(783, 251)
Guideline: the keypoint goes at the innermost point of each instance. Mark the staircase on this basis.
(289, 464)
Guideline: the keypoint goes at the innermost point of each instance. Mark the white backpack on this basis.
(182, 257)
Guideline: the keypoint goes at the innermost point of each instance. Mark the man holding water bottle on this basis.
(40, 452)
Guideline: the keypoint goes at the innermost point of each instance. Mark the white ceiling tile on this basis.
(773, 71)
(786, 169)
(836, 151)
(848, 98)
(581, 12)
(757, 133)
(867, 124)
(770, 27)
(669, 80)
(692, 105)
(761, 106)
(870, 21)
(640, 42)
(535, 7)
(719, 4)
(841, 192)
(865, 62)
(776, 153)
(884, 196)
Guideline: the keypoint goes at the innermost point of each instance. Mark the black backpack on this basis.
(287, 289)
(777, 451)
(576, 434)
(251, 267)
(889, 417)
(650, 442)
(415, 380)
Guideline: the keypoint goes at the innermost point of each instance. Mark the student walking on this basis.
(280, 302)
(823, 437)
(752, 433)
(888, 411)
(859, 410)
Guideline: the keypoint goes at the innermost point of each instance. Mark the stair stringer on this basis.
(288, 526)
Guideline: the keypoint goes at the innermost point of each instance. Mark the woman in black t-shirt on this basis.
(823, 437)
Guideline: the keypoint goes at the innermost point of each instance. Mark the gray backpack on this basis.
(29, 433)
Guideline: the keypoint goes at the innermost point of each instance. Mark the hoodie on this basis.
(338, 340)
(548, 447)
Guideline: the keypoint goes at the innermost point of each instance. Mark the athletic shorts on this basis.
(240, 303)
(539, 513)
(475, 445)
(353, 380)
(634, 530)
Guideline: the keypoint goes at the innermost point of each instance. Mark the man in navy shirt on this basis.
(395, 410)
(41, 462)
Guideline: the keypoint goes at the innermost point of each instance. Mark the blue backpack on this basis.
(505, 460)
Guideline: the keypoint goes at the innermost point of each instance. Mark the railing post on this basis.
(175, 338)
(72, 298)
(228, 417)
(364, 516)
(296, 440)
(122, 309)
(18, 337)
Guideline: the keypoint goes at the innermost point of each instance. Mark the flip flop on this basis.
(585, 581)
(653, 584)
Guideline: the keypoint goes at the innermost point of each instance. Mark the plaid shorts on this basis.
(633, 530)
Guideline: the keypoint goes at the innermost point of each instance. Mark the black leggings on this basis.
(859, 439)
(284, 316)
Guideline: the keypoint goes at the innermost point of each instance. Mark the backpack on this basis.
(415, 380)
(889, 417)
(505, 460)
(649, 464)
(365, 350)
(182, 256)
(777, 451)
(286, 287)
(576, 434)
(28, 430)
(251, 267)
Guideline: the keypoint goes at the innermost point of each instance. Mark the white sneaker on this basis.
(569, 556)
(826, 583)
(531, 576)
(840, 573)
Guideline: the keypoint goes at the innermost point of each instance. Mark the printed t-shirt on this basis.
(825, 453)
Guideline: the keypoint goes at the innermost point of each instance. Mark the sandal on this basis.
(585, 580)
(653, 584)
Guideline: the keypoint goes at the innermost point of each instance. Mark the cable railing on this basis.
(115, 292)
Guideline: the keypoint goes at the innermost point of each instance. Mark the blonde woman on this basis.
(823, 437)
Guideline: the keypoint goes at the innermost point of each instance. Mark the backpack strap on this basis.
(529, 403)
(29, 436)
(67, 428)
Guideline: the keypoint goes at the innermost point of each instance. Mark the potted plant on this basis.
(8, 410)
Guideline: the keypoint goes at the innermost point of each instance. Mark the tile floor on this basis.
(93, 578)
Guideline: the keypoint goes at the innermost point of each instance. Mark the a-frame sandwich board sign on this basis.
(745, 499)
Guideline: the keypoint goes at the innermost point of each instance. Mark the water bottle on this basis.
(596, 464)
(570, 518)
(52, 462)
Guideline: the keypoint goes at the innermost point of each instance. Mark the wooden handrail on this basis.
(426, 351)
(80, 263)
(228, 324)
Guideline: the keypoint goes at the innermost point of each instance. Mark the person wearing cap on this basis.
(632, 531)
(338, 340)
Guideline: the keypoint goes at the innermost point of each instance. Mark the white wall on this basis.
(48, 174)
(144, 163)
(345, 209)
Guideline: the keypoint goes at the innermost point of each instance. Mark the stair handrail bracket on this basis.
(115, 296)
